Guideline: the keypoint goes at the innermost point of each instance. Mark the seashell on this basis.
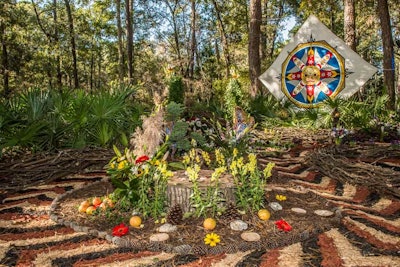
(238, 225)
(167, 228)
(323, 213)
(250, 236)
(159, 237)
(299, 210)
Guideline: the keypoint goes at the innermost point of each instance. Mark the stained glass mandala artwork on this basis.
(311, 73)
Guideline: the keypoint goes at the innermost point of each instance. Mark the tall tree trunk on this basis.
(193, 41)
(120, 43)
(388, 53)
(73, 43)
(350, 24)
(4, 61)
(263, 37)
(275, 31)
(56, 42)
(173, 11)
(224, 39)
(129, 39)
(254, 46)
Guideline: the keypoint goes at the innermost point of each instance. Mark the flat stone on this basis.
(299, 210)
(323, 213)
(238, 225)
(167, 228)
(250, 236)
(160, 237)
(275, 206)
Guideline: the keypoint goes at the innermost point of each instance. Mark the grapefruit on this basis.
(264, 214)
(135, 221)
(209, 224)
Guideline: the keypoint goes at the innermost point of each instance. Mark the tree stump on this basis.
(180, 188)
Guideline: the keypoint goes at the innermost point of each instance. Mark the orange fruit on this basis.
(135, 221)
(209, 223)
(96, 201)
(108, 202)
(264, 214)
(83, 206)
(90, 210)
(103, 206)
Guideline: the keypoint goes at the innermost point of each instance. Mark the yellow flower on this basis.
(206, 157)
(193, 173)
(219, 157)
(235, 152)
(122, 164)
(186, 159)
(217, 173)
(280, 197)
(212, 239)
(268, 169)
(112, 165)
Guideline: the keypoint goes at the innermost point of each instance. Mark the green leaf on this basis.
(118, 183)
(176, 165)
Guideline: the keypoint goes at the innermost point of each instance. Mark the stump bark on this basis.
(180, 188)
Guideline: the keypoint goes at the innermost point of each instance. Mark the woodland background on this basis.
(79, 49)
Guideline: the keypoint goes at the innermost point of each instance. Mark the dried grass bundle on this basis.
(147, 140)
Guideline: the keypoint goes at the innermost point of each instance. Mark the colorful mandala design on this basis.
(311, 73)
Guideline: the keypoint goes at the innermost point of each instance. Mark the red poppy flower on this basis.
(120, 230)
(283, 225)
(142, 159)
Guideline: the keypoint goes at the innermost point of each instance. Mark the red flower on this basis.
(283, 225)
(120, 230)
(142, 159)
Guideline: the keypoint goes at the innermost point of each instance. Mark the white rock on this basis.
(275, 206)
(250, 236)
(167, 228)
(159, 237)
(323, 213)
(299, 210)
(238, 225)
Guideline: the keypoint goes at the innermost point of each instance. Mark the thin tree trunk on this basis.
(254, 46)
(172, 10)
(388, 53)
(56, 42)
(4, 61)
(263, 38)
(350, 24)
(129, 39)
(73, 43)
(224, 39)
(275, 31)
(193, 41)
(120, 44)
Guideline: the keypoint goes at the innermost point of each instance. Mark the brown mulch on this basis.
(191, 231)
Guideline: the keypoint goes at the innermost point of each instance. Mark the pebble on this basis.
(323, 213)
(299, 210)
(250, 236)
(167, 228)
(238, 225)
(275, 206)
(159, 237)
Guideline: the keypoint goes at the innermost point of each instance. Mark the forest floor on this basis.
(358, 183)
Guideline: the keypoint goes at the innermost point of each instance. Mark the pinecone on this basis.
(175, 215)
(230, 213)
